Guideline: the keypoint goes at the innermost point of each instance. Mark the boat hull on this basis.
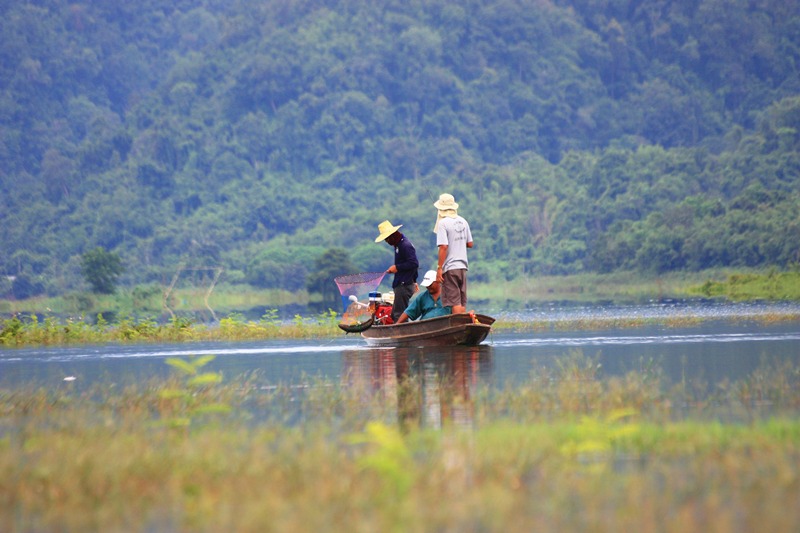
(449, 330)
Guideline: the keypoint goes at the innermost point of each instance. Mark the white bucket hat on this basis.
(445, 202)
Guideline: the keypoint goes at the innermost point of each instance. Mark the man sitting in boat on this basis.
(426, 304)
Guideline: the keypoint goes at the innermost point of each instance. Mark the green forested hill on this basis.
(584, 135)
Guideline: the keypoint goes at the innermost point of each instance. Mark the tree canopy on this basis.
(101, 270)
(577, 135)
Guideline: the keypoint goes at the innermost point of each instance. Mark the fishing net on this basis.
(353, 287)
(358, 285)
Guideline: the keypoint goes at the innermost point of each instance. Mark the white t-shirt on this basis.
(455, 233)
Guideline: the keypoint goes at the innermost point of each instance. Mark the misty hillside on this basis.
(255, 135)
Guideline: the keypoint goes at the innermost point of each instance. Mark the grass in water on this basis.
(772, 285)
(568, 450)
(31, 331)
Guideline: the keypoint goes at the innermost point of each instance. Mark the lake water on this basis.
(729, 345)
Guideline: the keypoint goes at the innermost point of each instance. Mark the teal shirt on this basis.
(423, 306)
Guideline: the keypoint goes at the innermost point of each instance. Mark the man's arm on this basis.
(442, 257)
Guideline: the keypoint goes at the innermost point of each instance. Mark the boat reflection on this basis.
(430, 386)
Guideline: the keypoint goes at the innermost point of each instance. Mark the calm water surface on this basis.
(729, 346)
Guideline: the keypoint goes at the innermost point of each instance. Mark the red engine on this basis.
(383, 315)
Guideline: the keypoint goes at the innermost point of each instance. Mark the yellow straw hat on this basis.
(385, 229)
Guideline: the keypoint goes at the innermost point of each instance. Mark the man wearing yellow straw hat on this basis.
(404, 268)
(453, 237)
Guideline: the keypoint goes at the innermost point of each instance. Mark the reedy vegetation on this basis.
(570, 450)
(52, 331)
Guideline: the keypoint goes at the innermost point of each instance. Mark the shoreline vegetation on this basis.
(139, 316)
(31, 331)
(568, 450)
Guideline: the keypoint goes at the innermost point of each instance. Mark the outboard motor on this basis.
(381, 309)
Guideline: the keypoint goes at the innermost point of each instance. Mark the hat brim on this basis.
(385, 234)
(425, 282)
(443, 207)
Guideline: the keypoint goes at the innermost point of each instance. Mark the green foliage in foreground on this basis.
(568, 451)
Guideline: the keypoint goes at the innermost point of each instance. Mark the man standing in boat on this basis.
(453, 237)
(405, 267)
(427, 304)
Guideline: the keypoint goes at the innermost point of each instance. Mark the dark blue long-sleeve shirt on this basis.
(405, 259)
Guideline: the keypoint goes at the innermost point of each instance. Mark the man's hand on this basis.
(392, 269)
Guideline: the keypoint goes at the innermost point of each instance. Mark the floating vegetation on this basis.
(31, 330)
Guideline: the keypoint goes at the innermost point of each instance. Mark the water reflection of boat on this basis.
(462, 329)
(429, 388)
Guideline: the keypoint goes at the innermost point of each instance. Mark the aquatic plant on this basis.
(26, 331)
(388, 455)
(192, 400)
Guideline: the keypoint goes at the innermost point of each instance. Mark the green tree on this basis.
(101, 270)
(334, 262)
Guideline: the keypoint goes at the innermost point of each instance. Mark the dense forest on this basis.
(257, 135)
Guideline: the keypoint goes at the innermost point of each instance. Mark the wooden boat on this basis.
(449, 330)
